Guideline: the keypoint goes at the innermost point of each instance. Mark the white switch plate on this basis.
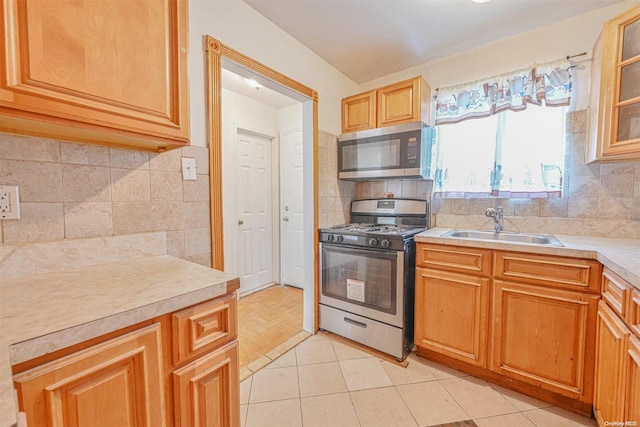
(9, 202)
(188, 169)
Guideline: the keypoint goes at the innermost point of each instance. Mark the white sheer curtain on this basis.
(491, 144)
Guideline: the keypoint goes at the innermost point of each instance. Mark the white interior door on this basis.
(255, 214)
(291, 213)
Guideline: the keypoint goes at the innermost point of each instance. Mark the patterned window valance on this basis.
(550, 82)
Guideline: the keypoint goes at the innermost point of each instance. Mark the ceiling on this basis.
(235, 83)
(367, 39)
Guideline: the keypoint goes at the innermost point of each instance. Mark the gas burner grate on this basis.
(387, 229)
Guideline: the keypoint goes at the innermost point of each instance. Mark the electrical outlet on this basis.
(188, 169)
(9, 202)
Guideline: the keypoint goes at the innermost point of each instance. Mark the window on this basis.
(508, 154)
(504, 136)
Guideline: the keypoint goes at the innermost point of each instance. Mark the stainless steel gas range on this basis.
(367, 273)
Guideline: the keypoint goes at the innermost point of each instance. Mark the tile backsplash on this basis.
(72, 191)
(334, 195)
(600, 200)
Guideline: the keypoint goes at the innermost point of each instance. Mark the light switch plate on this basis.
(9, 202)
(188, 169)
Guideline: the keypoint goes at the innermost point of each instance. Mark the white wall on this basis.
(240, 27)
(555, 41)
(290, 118)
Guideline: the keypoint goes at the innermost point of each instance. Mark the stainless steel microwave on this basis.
(401, 151)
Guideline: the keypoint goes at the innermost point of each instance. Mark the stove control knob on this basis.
(373, 242)
(339, 238)
(386, 243)
(329, 237)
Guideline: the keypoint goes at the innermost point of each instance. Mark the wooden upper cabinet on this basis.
(115, 383)
(615, 104)
(403, 102)
(359, 112)
(105, 72)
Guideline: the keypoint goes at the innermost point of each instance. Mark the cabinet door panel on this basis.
(619, 97)
(399, 103)
(611, 346)
(118, 382)
(451, 314)
(359, 112)
(544, 337)
(632, 405)
(116, 65)
(206, 392)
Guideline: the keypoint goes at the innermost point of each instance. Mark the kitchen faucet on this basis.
(497, 216)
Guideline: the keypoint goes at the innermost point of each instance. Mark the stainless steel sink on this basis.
(503, 236)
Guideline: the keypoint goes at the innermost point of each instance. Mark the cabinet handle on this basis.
(355, 322)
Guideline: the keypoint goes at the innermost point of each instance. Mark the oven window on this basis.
(363, 277)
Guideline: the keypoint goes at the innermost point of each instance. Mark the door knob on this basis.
(240, 222)
(286, 218)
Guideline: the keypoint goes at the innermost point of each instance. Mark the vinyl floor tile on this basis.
(279, 413)
(321, 378)
(361, 374)
(382, 407)
(334, 410)
(477, 397)
(274, 384)
(431, 404)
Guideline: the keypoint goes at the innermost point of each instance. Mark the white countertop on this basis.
(42, 313)
(620, 255)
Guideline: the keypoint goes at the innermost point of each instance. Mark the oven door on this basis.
(368, 282)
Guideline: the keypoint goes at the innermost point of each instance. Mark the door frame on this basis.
(215, 52)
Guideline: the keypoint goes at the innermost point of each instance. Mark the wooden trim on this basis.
(215, 50)
(214, 121)
(268, 72)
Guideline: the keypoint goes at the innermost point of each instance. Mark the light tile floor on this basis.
(325, 383)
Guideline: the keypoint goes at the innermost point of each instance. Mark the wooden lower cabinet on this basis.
(115, 383)
(451, 314)
(544, 337)
(524, 321)
(206, 391)
(616, 363)
(632, 401)
(179, 369)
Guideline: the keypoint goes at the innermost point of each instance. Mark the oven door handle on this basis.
(355, 322)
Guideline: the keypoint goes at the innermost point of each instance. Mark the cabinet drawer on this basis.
(204, 327)
(616, 292)
(454, 258)
(633, 312)
(546, 270)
